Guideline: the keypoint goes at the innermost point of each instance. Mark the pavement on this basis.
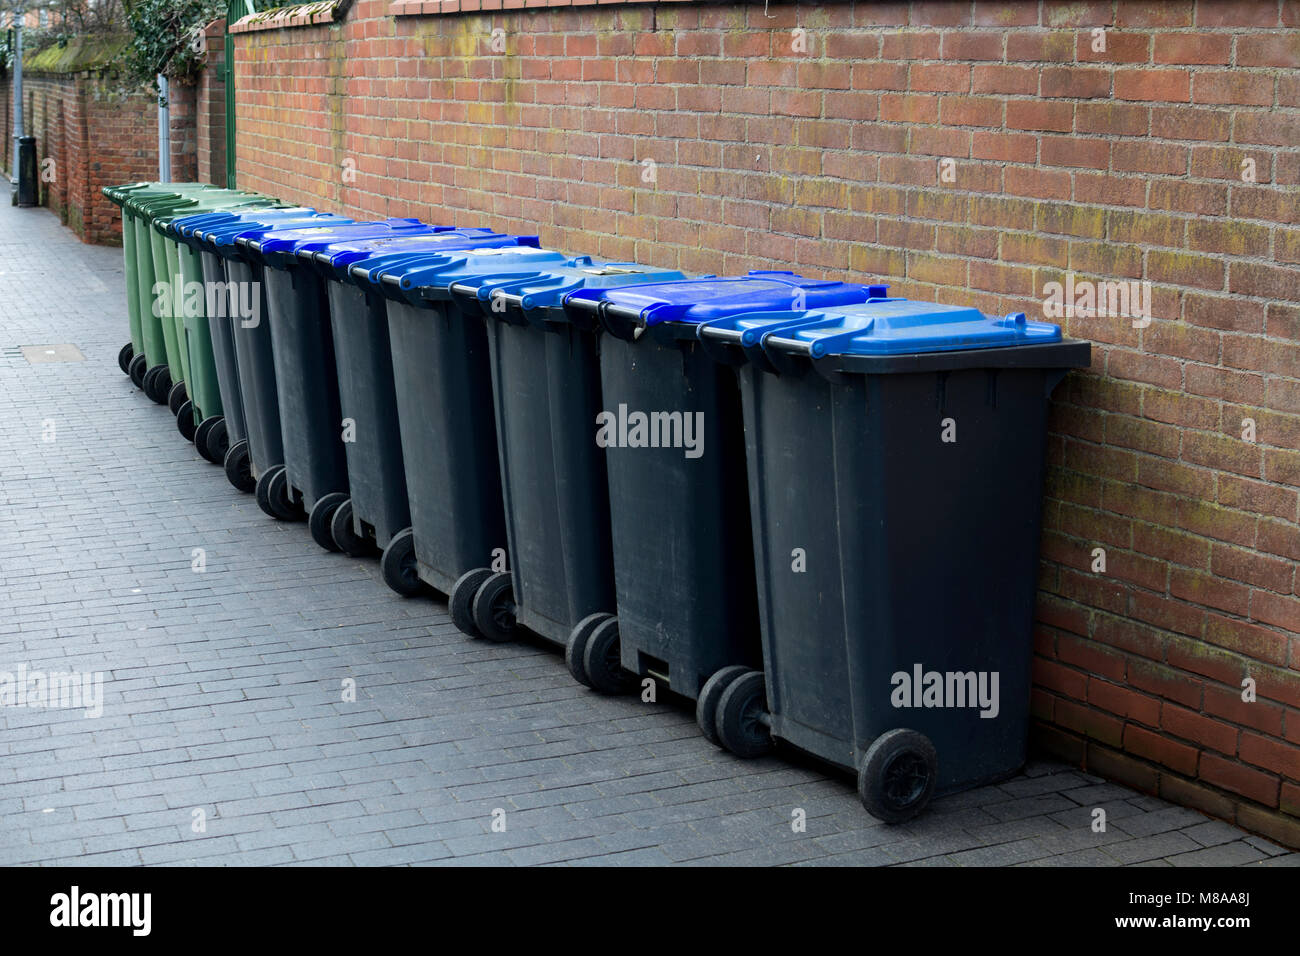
(267, 703)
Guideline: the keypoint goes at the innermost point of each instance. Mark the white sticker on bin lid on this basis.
(613, 271)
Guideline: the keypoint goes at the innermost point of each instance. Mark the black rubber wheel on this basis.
(157, 383)
(273, 495)
(124, 356)
(494, 608)
(344, 532)
(322, 514)
(139, 365)
(460, 602)
(603, 662)
(897, 776)
(741, 709)
(211, 439)
(185, 420)
(239, 467)
(706, 706)
(575, 648)
(176, 396)
(398, 566)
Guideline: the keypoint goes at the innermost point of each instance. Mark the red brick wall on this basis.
(211, 105)
(1114, 165)
(95, 137)
(182, 116)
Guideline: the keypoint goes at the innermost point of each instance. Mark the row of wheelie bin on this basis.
(809, 507)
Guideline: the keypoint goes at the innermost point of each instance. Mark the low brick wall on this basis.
(87, 135)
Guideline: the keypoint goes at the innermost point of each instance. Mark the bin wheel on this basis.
(742, 711)
(139, 365)
(322, 513)
(603, 660)
(185, 420)
(124, 357)
(157, 383)
(344, 532)
(494, 608)
(176, 396)
(460, 602)
(896, 779)
(706, 707)
(239, 466)
(575, 648)
(211, 439)
(273, 495)
(398, 565)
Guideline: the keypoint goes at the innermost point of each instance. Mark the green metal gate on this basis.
(234, 10)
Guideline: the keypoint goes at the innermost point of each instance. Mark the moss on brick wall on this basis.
(78, 55)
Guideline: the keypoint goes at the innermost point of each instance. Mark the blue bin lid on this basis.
(709, 298)
(550, 286)
(225, 237)
(190, 225)
(430, 276)
(886, 327)
(340, 256)
(280, 245)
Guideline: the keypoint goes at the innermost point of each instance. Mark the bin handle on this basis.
(557, 286)
(510, 299)
(721, 342)
(621, 321)
(756, 342)
(577, 302)
(485, 287)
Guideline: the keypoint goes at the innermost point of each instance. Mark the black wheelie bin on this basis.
(375, 508)
(306, 378)
(246, 368)
(546, 395)
(895, 454)
(679, 510)
(218, 411)
(443, 389)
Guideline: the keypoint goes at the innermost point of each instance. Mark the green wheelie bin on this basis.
(131, 358)
(167, 297)
(198, 406)
(153, 352)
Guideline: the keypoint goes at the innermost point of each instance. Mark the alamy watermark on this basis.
(1085, 298)
(74, 909)
(237, 300)
(53, 689)
(624, 429)
(946, 689)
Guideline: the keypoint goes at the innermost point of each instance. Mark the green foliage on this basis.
(167, 38)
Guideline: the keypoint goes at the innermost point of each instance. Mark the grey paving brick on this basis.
(1160, 820)
(1216, 832)
(1005, 854)
(1288, 859)
(1226, 854)
(1150, 847)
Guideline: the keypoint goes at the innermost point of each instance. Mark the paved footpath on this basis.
(225, 737)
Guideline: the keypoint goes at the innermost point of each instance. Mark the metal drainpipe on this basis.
(164, 134)
(18, 87)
